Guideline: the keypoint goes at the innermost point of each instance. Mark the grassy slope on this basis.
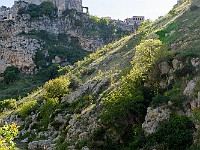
(114, 59)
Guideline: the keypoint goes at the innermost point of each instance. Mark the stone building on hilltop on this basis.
(135, 20)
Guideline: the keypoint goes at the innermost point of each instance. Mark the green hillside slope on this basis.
(141, 92)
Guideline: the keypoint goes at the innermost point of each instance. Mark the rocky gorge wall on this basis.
(18, 50)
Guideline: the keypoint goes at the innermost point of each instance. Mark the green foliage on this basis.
(159, 100)
(69, 12)
(77, 106)
(52, 71)
(172, 12)
(48, 108)
(105, 29)
(57, 87)
(46, 8)
(176, 95)
(27, 108)
(188, 69)
(128, 102)
(175, 133)
(61, 45)
(146, 55)
(8, 104)
(164, 32)
(75, 82)
(7, 134)
(194, 7)
(10, 74)
(23, 85)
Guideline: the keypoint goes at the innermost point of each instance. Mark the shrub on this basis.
(47, 8)
(194, 7)
(10, 74)
(8, 104)
(57, 87)
(176, 96)
(7, 134)
(52, 71)
(27, 108)
(75, 82)
(48, 108)
(159, 99)
(175, 133)
(186, 70)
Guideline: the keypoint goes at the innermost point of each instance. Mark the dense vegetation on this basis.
(7, 134)
(46, 8)
(131, 70)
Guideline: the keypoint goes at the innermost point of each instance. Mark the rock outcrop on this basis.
(154, 117)
(18, 51)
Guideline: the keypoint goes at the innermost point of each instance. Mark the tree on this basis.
(47, 8)
(10, 74)
(146, 55)
(175, 133)
(56, 88)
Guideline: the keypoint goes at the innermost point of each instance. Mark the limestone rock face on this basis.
(13, 119)
(195, 62)
(177, 64)
(42, 144)
(154, 117)
(18, 51)
(189, 89)
(164, 67)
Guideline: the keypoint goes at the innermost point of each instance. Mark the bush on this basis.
(159, 99)
(176, 96)
(47, 109)
(186, 70)
(10, 74)
(175, 133)
(194, 7)
(27, 108)
(75, 82)
(52, 71)
(8, 104)
(57, 87)
(7, 134)
(45, 8)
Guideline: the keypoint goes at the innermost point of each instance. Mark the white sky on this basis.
(121, 9)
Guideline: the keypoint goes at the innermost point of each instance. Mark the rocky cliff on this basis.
(72, 23)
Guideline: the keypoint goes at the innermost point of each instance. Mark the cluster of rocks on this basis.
(154, 117)
(79, 126)
(169, 67)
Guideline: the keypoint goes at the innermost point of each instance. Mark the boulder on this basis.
(154, 117)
